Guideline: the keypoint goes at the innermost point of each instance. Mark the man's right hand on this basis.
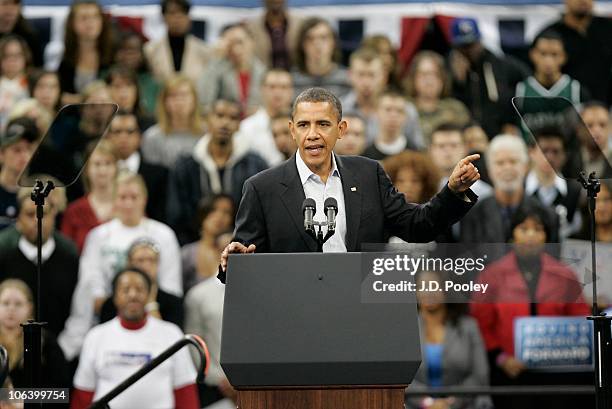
(234, 247)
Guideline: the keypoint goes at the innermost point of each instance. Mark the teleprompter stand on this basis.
(602, 335)
(32, 329)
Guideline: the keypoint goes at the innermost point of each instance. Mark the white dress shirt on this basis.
(131, 164)
(317, 190)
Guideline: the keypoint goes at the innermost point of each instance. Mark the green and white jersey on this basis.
(565, 87)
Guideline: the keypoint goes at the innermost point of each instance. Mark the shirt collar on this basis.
(31, 252)
(532, 184)
(132, 163)
(305, 173)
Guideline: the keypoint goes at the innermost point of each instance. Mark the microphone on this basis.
(309, 208)
(331, 210)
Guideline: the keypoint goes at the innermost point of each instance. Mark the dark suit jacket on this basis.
(156, 179)
(270, 212)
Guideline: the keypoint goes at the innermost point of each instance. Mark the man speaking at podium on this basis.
(369, 209)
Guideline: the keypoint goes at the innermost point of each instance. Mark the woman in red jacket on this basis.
(525, 282)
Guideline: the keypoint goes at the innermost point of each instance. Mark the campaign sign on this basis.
(554, 343)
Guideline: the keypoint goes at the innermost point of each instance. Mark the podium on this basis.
(297, 334)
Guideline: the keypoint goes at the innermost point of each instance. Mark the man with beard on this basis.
(507, 161)
(219, 163)
(586, 39)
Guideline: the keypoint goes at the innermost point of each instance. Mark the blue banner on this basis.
(554, 343)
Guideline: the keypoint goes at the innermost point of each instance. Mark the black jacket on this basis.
(270, 213)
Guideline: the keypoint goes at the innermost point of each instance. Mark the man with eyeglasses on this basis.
(124, 134)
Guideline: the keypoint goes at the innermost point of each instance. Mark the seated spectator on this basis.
(178, 52)
(32, 109)
(87, 48)
(525, 282)
(124, 134)
(354, 140)
(367, 77)
(483, 81)
(548, 57)
(428, 86)
(275, 35)
(477, 141)
(129, 53)
(507, 161)
(318, 58)
(15, 61)
(18, 257)
(446, 150)
(603, 216)
(383, 46)
(16, 307)
(219, 164)
(45, 88)
(276, 95)
(144, 255)
(414, 175)
(452, 349)
(586, 41)
(392, 119)
(14, 23)
(105, 253)
(96, 207)
(283, 140)
(124, 89)
(594, 153)
(201, 258)
(236, 75)
(178, 124)
(114, 350)
(16, 149)
(543, 182)
(204, 313)
(90, 127)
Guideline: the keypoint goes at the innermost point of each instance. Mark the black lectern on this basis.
(296, 333)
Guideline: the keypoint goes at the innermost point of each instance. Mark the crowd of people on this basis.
(130, 257)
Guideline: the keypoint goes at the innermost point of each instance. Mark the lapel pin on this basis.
(353, 189)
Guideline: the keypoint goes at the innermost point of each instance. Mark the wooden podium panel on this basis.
(329, 398)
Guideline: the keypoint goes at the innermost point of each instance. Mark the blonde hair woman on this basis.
(179, 124)
(96, 207)
(16, 307)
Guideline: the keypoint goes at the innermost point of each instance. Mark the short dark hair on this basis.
(207, 205)
(281, 115)
(138, 271)
(548, 132)
(593, 104)
(548, 34)
(274, 70)
(448, 127)
(183, 4)
(534, 210)
(318, 94)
